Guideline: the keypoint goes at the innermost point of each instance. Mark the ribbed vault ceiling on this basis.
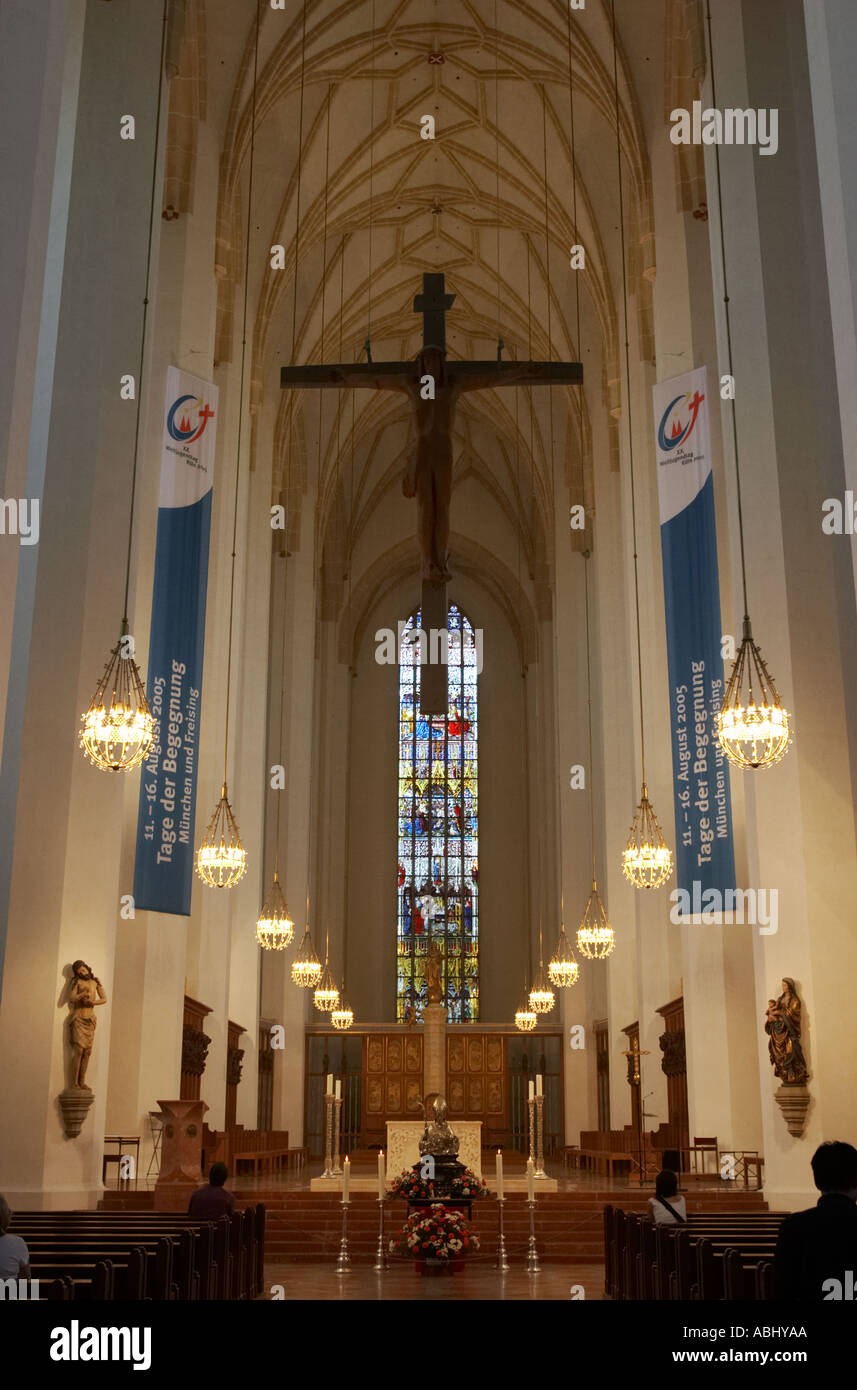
(363, 207)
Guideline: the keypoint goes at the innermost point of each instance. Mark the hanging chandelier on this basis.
(342, 1016)
(525, 1017)
(541, 997)
(326, 994)
(275, 929)
(118, 728)
(221, 859)
(753, 729)
(563, 969)
(595, 936)
(306, 966)
(647, 860)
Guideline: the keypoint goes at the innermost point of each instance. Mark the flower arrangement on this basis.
(468, 1185)
(410, 1185)
(438, 1234)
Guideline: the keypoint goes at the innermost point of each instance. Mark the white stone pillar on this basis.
(282, 1000)
(800, 815)
(64, 869)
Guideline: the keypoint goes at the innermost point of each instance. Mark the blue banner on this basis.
(705, 859)
(163, 869)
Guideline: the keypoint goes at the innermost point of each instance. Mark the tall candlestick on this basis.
(531, 1090)
(346, 1177)
(382, 1186)
(329, 1103)
(499, 1175)
(329, 1086)
(538, 1084)
(531, 1175)
(336, 1102)
(539, 1107)
(338, 1089)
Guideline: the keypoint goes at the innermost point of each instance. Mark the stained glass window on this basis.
(438, 868)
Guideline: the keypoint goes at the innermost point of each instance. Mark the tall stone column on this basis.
(434, 1049)
(63, 869)
(284, 1002)
(800, 822)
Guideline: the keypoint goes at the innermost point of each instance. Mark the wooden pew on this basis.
(147, 1254)
(646, 1261)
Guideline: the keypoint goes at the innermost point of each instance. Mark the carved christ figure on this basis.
(85, 993)
(433, 392)
(428, 475)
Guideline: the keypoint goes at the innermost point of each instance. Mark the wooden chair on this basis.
(702, 1147)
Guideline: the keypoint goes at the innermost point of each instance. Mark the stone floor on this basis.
(401, 1283)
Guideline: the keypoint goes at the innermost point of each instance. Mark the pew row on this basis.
(715, 1255)
(144, 1255)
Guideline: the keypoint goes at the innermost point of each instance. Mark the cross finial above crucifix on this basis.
(433, 304)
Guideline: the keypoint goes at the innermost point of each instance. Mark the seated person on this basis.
(819, 1246)
(14, 1255)
(665, 1207)
(213, 1200)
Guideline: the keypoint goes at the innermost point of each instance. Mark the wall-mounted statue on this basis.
(783, 1027)
(83, 993)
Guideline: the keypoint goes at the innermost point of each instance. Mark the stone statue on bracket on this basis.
(83, 993)
(783, 1027)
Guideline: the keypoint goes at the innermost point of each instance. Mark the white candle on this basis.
(346, 1177)
(338, 1089)
(499, 1175)
(382, 1187)
(329, 1090)
(531, 1176)
(538, 1085)
(531, 1091)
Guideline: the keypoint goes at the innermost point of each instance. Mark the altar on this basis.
(403, 1144)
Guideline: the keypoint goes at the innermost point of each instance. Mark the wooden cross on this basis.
(433, 385)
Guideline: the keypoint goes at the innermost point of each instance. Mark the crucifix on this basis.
(433, 386)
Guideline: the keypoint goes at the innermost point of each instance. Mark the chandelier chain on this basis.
(628, 387)
(733, 412)
(241, 382)
(145, 314)
(573, 170)
(586, 558)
